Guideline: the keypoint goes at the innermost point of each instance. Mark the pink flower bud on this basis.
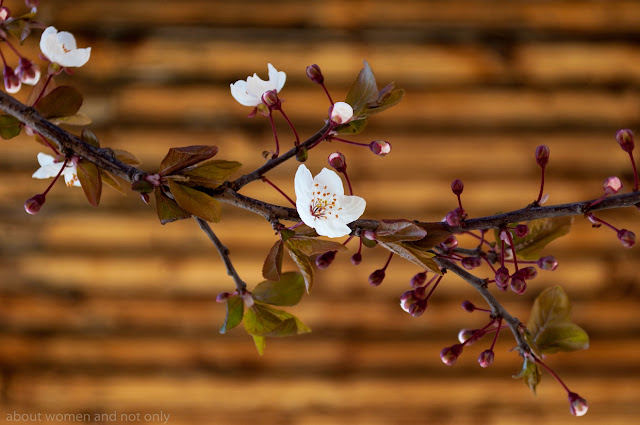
(468, 306)
(338, 161)
(528, 273)
(12, 83)
(376, 278)
(418, 279)
(485, 359)
(471, 262)
(271, 99)
(356, 258)
(450, 243)
(314, 74)
(222, 297)
(416, 309)
(407, 299)
(625, 139)
(452, 218)
(542, 155)
(33, 204)
(4, 13)
(341, 113)
(627, 237)
(612, 185)
(518, 284)
(28, 72)
(380, 147)
(420, 292)
(323, 261)
(577, 405)
(548, 263)
(522, 230)
(502, 278)
(449, 355)
(457, 186)
(465, 335)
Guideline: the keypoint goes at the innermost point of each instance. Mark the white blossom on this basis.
(249, 92)
(341, 113)
(61, 48)
(49, 169)
(322, 204)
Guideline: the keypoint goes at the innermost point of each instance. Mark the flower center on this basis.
(323, 203)
(65, 49)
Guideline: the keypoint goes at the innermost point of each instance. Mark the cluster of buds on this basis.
(414, 301)
(458, 215)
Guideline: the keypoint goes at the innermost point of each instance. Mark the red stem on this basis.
(635, 172)
(55, 179)
(266, 180)
(541, 184)
(290, 125)
(275, 136)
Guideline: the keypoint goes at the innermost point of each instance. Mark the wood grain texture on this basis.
(104, 311)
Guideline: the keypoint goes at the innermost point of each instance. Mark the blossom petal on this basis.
(352, 208)
(331, 180)
(257, 86)
(44, 159)
(47, 171)
(76, 58)
(331, 228)
(303, 183)
(67, 40)
(71, 177)
(239, 93)
(277, 78)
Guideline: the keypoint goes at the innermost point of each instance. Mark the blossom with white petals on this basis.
(341, 112)
(50, 168)
(61, 48)
(322, 204)
(249, 92)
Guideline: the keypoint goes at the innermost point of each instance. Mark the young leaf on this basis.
(388, 97)
(414, 254)
(180, 158)
(168, 210)
(235, 311)
(212, 173)
(352, 127)
(111, 180)
(9, 126)
(435, 235)
(363, 90)
(197, 203)
(311, 246)
(89, 137)
(550, 323)
(541, 232)
(285, 292)
(303, 263)
(399, 230)
(89, 176)
(260, 343)
(263, 320)
(78, 120)
(127, 157)
(63, 101)
(531, 374)
(272, 266)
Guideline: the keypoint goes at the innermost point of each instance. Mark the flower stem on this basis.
(348, 182)
(275, 136)
(46, 142)
(269, 182)
(635, 172)
(541, 184)
(327, 93)
(44, 87)
(495, 338)
(55, 179)
(338, 139)
(291, 125)
(541, 363)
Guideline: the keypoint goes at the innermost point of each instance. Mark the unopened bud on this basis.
(612, 185)
(323, 261)
(4, 13)
(271, 99)
(33, 204)
(28, 72)
(485, 358)
(522, 230)
(338, 161)
(542, 155)
(548, 263)
(518, 284)
(457, 186)
(577, 405)
(420, 292)
(376, 277)
(449, 355)
(471, 262)
(468, 306)
(12, 83)
(418, 279)
(450, 243)
(502, 278)
(222, 297)
(452, 218)
(528, 273)
(407, 299)
(302, 154)
(416, 309)
(314, 74)
(627, 237)
(465, 335)
(625, 139)
(341, 113)
(380, 147)
(356, 258)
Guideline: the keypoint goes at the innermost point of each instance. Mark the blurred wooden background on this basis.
(105, 310)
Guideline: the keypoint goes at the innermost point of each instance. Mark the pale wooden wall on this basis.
(104, 310)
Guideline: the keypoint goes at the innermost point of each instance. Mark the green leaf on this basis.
(352, 127)
(197, 203)
(89, 176)
(541, 232)
(212, 173)
(63, 101)
(550, 323)
(414, 254)
(90, 138)
(363, 90)
(531, 373)
(303, 263)
(311, 246)
(10, 126)
(260, 343)
(263, 320)
(272, 267)
(399, 230)
(78, 120)
(235, 311)
(180, 158)
(167, 209)
(285, 292)
(387, 97)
